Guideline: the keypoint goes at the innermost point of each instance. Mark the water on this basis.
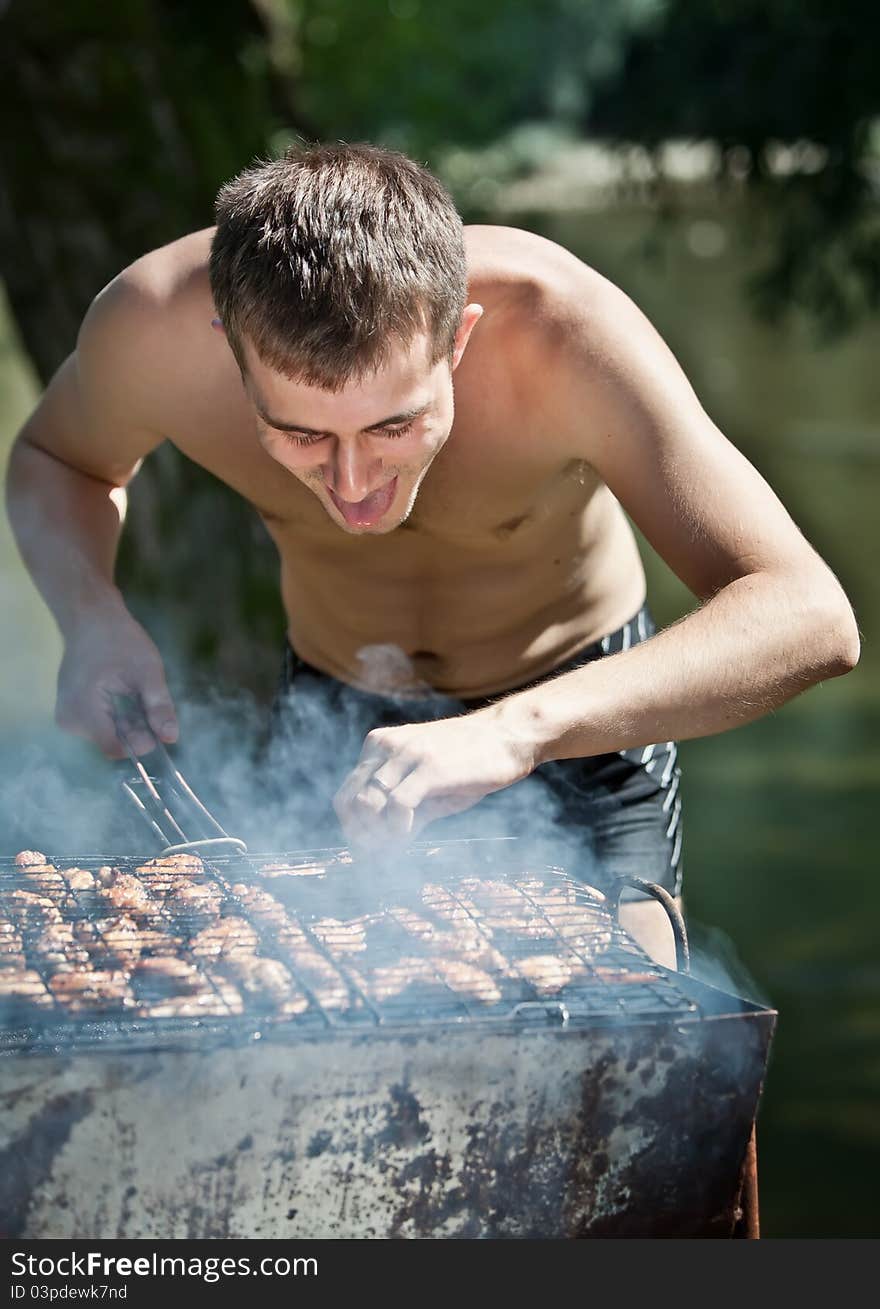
(780, 848)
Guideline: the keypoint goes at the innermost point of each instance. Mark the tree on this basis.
(788, 90)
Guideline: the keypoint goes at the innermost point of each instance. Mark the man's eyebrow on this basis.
(406, 416)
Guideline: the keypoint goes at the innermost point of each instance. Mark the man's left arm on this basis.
(773, 620)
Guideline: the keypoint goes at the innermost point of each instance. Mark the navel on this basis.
(507, 528)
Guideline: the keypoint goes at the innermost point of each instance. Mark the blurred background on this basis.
(720, 160)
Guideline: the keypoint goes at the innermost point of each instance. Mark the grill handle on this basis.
(548, 1011)
(673, 913)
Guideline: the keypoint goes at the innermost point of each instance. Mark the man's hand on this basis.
(106, 658)
(408, 776)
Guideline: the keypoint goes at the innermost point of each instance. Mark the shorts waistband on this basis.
(634, 630)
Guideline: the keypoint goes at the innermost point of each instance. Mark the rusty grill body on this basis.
(470, 1049)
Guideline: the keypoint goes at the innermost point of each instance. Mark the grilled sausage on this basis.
(262, 906)
(30, 912)
(207, 1003)
(11, 946)
(79, 879)
(463, 936)
(547, 973)
(164, 975)
(469, 982)
(115, 942)
(92, 991)
(276, 868)
(390, 980)
(23, 994)
(171, 988)
(228, 938)
(342, 936)
(58, 949)
(262, 980)
(194, 905)
(169, 872)
(125, 892)
(293, 944)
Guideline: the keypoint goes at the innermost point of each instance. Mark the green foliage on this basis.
(786, 88)
(425, 76)
(789, 90)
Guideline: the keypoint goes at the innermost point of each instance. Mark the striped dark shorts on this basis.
(603, 816)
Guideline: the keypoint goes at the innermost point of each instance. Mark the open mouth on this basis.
(370, 510)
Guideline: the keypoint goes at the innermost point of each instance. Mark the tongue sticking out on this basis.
(373, 507)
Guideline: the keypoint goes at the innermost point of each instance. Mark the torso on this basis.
(515, 556)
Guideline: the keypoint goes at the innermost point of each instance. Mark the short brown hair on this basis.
(323, 258)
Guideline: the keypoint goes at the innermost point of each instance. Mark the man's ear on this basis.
(218, 326)
(469, 319)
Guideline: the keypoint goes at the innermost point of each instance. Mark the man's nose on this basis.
(353, 472)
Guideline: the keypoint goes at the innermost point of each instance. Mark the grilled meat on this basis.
(11, 946)
(274, 868)
(169, 941)
(164, 975)
(230, 938)
(171, 988)
(170, 872)
(547, 972)
(92, 991)
(266, 981)
(57, 949)
(127, 893)
(30, 912)
(116, 941)
(195, 905)
(79, 879)
(342, 937)
(23, 994)
(388, 981)
(467, 981)
(293, 944)
(207, 1003)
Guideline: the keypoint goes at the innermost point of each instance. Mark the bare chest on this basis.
(494, 490)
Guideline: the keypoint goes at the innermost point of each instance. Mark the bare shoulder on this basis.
(149, 329)
(557, 306)
(157, 289)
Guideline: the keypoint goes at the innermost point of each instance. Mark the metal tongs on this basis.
(165, 800)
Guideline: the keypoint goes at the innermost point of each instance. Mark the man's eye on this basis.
(303, 440)
(298, 439)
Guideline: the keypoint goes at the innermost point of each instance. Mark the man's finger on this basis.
(352, 786)
(109, 721)
(370, 801)
(413, 789)
(105, 737)
(160, 712)
(389, 777)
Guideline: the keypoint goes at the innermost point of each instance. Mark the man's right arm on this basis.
(66, 502)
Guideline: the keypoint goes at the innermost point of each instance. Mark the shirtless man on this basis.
(305, 354)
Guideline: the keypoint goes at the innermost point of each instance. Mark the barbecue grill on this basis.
(302, 1045)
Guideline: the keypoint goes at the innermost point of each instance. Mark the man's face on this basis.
(365, 450)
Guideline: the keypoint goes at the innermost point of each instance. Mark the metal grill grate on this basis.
(120, 952)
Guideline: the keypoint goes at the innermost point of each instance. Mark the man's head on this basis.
(339, 277)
